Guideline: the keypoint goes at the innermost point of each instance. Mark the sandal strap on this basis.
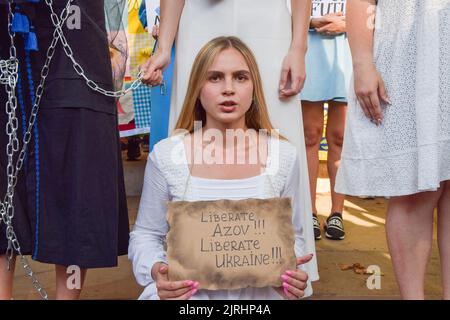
(335, 222)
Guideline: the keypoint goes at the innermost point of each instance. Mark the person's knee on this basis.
(446, 185)
(445, 190)
(335, 138)
(416, 202)
(313, 135)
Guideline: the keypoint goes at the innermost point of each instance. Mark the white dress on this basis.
(166, 180)
(265, 26)
(410, 151)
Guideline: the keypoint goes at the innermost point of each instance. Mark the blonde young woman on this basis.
(397, 139)
(278, 40)
(224, 93)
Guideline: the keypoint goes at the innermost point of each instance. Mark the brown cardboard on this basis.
(229, 244)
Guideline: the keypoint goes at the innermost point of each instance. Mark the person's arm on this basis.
(146, 249)
(369, 87)
(292, 190)
(296, 281)
(301, 14)
(170, 17)
(147, 238)
(317, 22)
(293, 72)
(332, 24)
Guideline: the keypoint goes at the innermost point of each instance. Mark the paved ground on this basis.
(365, 244)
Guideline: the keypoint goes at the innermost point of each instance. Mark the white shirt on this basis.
(323, 7)
(165, 181)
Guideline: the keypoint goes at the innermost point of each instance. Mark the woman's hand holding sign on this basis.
(295, 281)
(172, 290)
(293, 288)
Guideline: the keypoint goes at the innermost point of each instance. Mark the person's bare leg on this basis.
(444, 238)
(313, 129)
(6, 277)
(409, 230)
(335, 137)
(69, 289)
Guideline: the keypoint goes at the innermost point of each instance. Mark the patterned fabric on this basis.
(135, 109)
(409, 152)
(142, 106)
(140, 50)
(323, 7)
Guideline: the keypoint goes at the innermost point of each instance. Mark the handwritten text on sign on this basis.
(229, 244)
(244, 224)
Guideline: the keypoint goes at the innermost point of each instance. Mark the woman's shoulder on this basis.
(167, 143)
(283, 155)
(169, 151)
(288, 146)
(283, 148)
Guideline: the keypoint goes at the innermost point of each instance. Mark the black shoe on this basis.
(145, 143)
(316, 226)
(334, 227)
(123, 146)
(134, 149)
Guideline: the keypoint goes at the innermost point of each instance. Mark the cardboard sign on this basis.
(323, 7)
(231, 244)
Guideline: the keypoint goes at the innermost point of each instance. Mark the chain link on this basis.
(9, 77)
(79, 69)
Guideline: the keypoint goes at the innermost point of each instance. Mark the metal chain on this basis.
(79, 69)
(6, 209)
(9, 78)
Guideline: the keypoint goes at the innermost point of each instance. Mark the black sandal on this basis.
(316, 226)
(334, 227)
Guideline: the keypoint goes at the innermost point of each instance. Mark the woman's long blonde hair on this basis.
(257, 117)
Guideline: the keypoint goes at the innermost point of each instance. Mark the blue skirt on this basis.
(328, 68)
